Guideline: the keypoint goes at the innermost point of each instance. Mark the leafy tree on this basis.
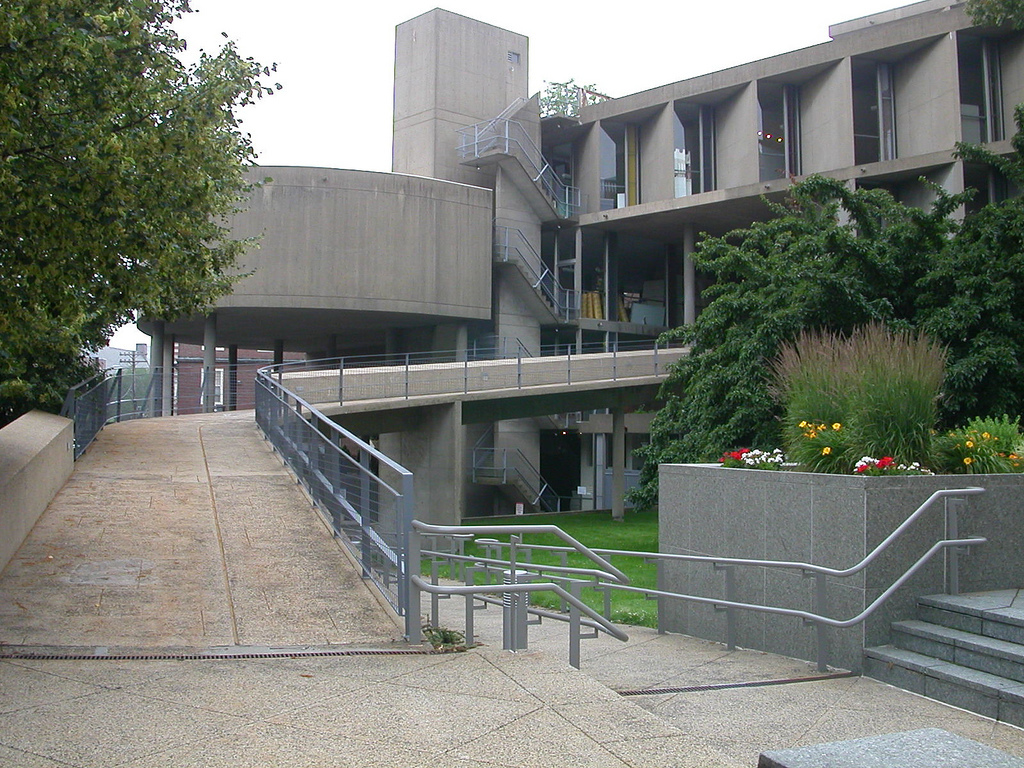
(118, 164)
(996, 13)
(831, 258)
(973, 298)
(565, 98)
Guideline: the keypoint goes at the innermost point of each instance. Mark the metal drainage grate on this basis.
(100, 654)
(727, 686)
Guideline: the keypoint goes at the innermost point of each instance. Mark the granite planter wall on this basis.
(830, 520)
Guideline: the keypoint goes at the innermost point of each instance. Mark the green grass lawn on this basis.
(596, 530)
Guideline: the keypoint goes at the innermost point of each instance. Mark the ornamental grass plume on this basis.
(873, 393)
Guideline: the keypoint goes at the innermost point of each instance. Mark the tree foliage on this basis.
(973, 298)
(996, 13)
(831, 258)
(118, 164)
(566, 98)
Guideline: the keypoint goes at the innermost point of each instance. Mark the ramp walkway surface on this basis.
(181, 604)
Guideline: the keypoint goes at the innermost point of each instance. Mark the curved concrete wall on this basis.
(364, 241)
(36, 458)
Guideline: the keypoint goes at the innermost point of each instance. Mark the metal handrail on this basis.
(354, 500)
(520, 466)
(515, 617)
(564, 301)
(576, 608)
(409, 375)
(608, 570)
(817, 618)
(793, 565)
(483, 136)
(808, 616)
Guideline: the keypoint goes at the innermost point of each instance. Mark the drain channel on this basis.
(727, 686)
(101, 654)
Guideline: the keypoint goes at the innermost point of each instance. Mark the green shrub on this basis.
(985, 446)
(874, 393)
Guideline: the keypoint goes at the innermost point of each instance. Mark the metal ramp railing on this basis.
(520, 558)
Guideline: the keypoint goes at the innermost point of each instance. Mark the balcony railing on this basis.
(509, 137)
(512, 246)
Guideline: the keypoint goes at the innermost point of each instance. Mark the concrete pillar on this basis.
(618, 464)
(433, 448)
(209, 362)
(689, 277)
(278, 351)
(156, 359)
(167, 376)
(600, 465)
(232, 398)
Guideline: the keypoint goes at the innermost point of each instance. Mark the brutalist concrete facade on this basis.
(455, 250)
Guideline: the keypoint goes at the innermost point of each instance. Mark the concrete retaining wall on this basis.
(36, 458)
(830, 520)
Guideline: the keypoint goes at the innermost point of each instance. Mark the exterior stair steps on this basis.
(964, 650)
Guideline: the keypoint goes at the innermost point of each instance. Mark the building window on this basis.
(778, 134)
(613, 166)
(981, 101)
(874, 112)
(693, 151)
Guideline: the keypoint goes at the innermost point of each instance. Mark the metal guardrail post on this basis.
(730, 611)
(575, 589)
(406, 375)
(120, 393)
(568, 366)
(366, 544)
(953, 507)
(660, 582)
(435, 579)
(411, 536)
(821, 608)
(341, 381)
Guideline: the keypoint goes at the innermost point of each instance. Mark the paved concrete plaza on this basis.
(184, 536)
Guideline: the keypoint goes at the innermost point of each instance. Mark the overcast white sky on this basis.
(335, 60)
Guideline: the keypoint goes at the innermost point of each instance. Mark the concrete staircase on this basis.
(965, 650)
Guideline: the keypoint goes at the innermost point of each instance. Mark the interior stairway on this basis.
(965, 650)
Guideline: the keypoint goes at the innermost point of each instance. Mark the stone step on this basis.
(970, 689)
(923, 748)
(987, 654)
(998, 614)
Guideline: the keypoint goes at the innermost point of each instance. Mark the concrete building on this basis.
(500, 228)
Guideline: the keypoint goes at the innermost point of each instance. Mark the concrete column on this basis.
(600, 465)
(232, 398)
(167, 376)
(689, 277)
(156, 359)
(278, 351)
(332, 346)
(209, 362)
(618, 464)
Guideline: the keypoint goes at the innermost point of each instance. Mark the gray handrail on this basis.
(577, 607)
(807, 615)
(609, 570)
(533, 586)
(728, 564)
(793, 565)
